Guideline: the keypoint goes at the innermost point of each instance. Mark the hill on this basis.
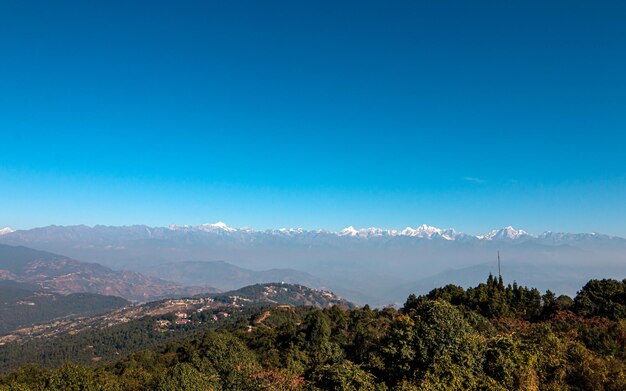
(284, 294)
(58, 273)
(488, 337)
(136, 327)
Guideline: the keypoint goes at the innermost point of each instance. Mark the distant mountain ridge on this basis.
(423, 231)
(61, 274)
(363, 265)
(226, 276)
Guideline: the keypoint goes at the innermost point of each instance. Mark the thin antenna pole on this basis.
(499, 274)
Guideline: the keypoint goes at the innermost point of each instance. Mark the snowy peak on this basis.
(505, 233)
(362, 232)
(430, 232)
(451, 234)
(219, 226)
(429, 229)
(291, 231)
(6, 230)
(175, 227)
(424, 231)
(348, 231)
(216, 227)
(372, 231)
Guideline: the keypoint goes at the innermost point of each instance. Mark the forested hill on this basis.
(135, 327)
(490, 337)
(282, 293)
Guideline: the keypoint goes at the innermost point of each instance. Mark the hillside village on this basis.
(182, 313)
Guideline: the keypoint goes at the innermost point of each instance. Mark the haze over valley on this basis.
(370, 265)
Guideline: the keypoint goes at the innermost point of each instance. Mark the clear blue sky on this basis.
(314, 114)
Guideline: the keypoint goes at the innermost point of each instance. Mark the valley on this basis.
(367, 266)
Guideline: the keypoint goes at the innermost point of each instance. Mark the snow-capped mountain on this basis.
(429, 232)
(423, 231)
(505, 233)
(364, 262)
(292, 230)
(348, 231)
(215, 227)
(219, 227)
(363, 232)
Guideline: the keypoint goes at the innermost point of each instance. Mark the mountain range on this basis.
(423, 231)
(365, 265)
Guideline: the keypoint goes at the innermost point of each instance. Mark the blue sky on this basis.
(314, 114)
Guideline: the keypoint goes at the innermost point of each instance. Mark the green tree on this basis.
(225, 357)
(433, 338)
(604, 297)
(184, 376)
(508, 363)
(344, 376)
(72, 377)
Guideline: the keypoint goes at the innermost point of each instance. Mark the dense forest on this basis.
(490, 337)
